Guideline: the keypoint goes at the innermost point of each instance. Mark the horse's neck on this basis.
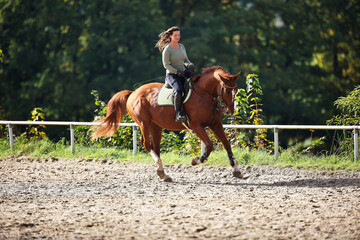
(210, 84)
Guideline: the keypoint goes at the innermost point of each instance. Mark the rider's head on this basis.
(165, 37)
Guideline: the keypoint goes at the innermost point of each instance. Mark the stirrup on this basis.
(181, 117)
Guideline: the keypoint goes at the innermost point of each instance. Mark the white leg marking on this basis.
(160, 170)
(157, 159)
(236, 166)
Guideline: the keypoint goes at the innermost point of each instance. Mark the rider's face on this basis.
(175, 37)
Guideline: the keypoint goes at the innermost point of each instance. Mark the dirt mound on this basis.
(96, 199)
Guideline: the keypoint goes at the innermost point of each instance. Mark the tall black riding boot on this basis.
(178, 102)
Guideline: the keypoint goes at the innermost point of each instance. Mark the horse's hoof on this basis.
(167, 179)
(238, 175)
(161, 174)
(195, 161)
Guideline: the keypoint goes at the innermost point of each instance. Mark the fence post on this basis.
(72, 141)
(356, 143)
(11, 137)
(276, 142)
(134, 140)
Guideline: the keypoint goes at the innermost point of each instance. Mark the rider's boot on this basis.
(178, 102)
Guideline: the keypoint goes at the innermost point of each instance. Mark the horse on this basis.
(213, 93)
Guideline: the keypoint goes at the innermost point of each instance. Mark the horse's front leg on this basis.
(201, 133)
(218, 130)
(237, 173)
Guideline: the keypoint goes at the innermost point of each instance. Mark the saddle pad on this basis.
(165, 96)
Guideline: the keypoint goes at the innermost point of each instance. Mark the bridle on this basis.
(219, 99)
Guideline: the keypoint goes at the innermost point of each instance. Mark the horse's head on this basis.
(228, 90)
(220, 84)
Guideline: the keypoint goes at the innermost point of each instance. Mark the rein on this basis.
(218, 99)
(213, 98)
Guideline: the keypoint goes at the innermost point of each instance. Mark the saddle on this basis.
(166, 94)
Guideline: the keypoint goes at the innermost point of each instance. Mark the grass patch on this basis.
(288, 158)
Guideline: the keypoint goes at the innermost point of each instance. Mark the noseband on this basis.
(222, 102)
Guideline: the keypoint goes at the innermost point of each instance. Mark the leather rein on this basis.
(219, 99)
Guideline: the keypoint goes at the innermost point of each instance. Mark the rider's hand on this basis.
(191, 66)
(180, 73)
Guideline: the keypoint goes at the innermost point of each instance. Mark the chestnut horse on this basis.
(213, 92)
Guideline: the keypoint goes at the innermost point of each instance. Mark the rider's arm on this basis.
(166, 61)
(186, 60)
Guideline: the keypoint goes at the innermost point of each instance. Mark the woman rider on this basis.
(175, 61)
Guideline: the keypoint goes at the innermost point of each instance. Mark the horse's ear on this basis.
(224, 79)
(236, 77)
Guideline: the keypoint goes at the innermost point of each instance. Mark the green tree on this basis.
(37, 38)
(1, 56)
(57, 51)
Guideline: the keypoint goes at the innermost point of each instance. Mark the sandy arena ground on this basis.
(98, 199)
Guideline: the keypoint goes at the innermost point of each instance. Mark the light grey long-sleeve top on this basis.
(175, 59)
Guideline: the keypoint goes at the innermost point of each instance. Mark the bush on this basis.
(248, 111)
(3, 128)
(349, 108)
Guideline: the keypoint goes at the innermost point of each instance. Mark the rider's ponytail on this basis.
(164, 38)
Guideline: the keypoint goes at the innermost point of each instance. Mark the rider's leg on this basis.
(178, 104)
(176, 83)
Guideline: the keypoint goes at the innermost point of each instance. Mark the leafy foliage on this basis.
(3, 128)
(1, 56)
(341, 143)
(101, 108)
(248, 111)
(349, 108)
(56, 51)
(36, 131)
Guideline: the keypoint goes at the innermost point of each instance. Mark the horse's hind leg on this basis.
(160, 171)
(155, 152)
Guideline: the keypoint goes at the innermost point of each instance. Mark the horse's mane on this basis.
(211, 70)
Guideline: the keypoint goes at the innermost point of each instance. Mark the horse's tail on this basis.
(116, 110)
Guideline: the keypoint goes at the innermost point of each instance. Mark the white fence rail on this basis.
(276, 129)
